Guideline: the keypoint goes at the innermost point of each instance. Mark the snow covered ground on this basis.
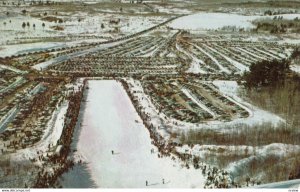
(195, 65)
(9, 50)
(171, 10)
(136, 24)
(295, 68)
(295, 184)
(214, 21)
(111, 123)
(90, 25)
(277, 149)
(257, 116)
(13, 28)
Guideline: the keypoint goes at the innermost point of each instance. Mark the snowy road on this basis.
(110, 122)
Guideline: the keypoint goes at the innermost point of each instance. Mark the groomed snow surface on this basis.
(110, 122)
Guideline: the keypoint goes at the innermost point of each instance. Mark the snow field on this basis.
(212, 21)
(215, 21)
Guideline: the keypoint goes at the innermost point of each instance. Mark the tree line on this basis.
(266, 73)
